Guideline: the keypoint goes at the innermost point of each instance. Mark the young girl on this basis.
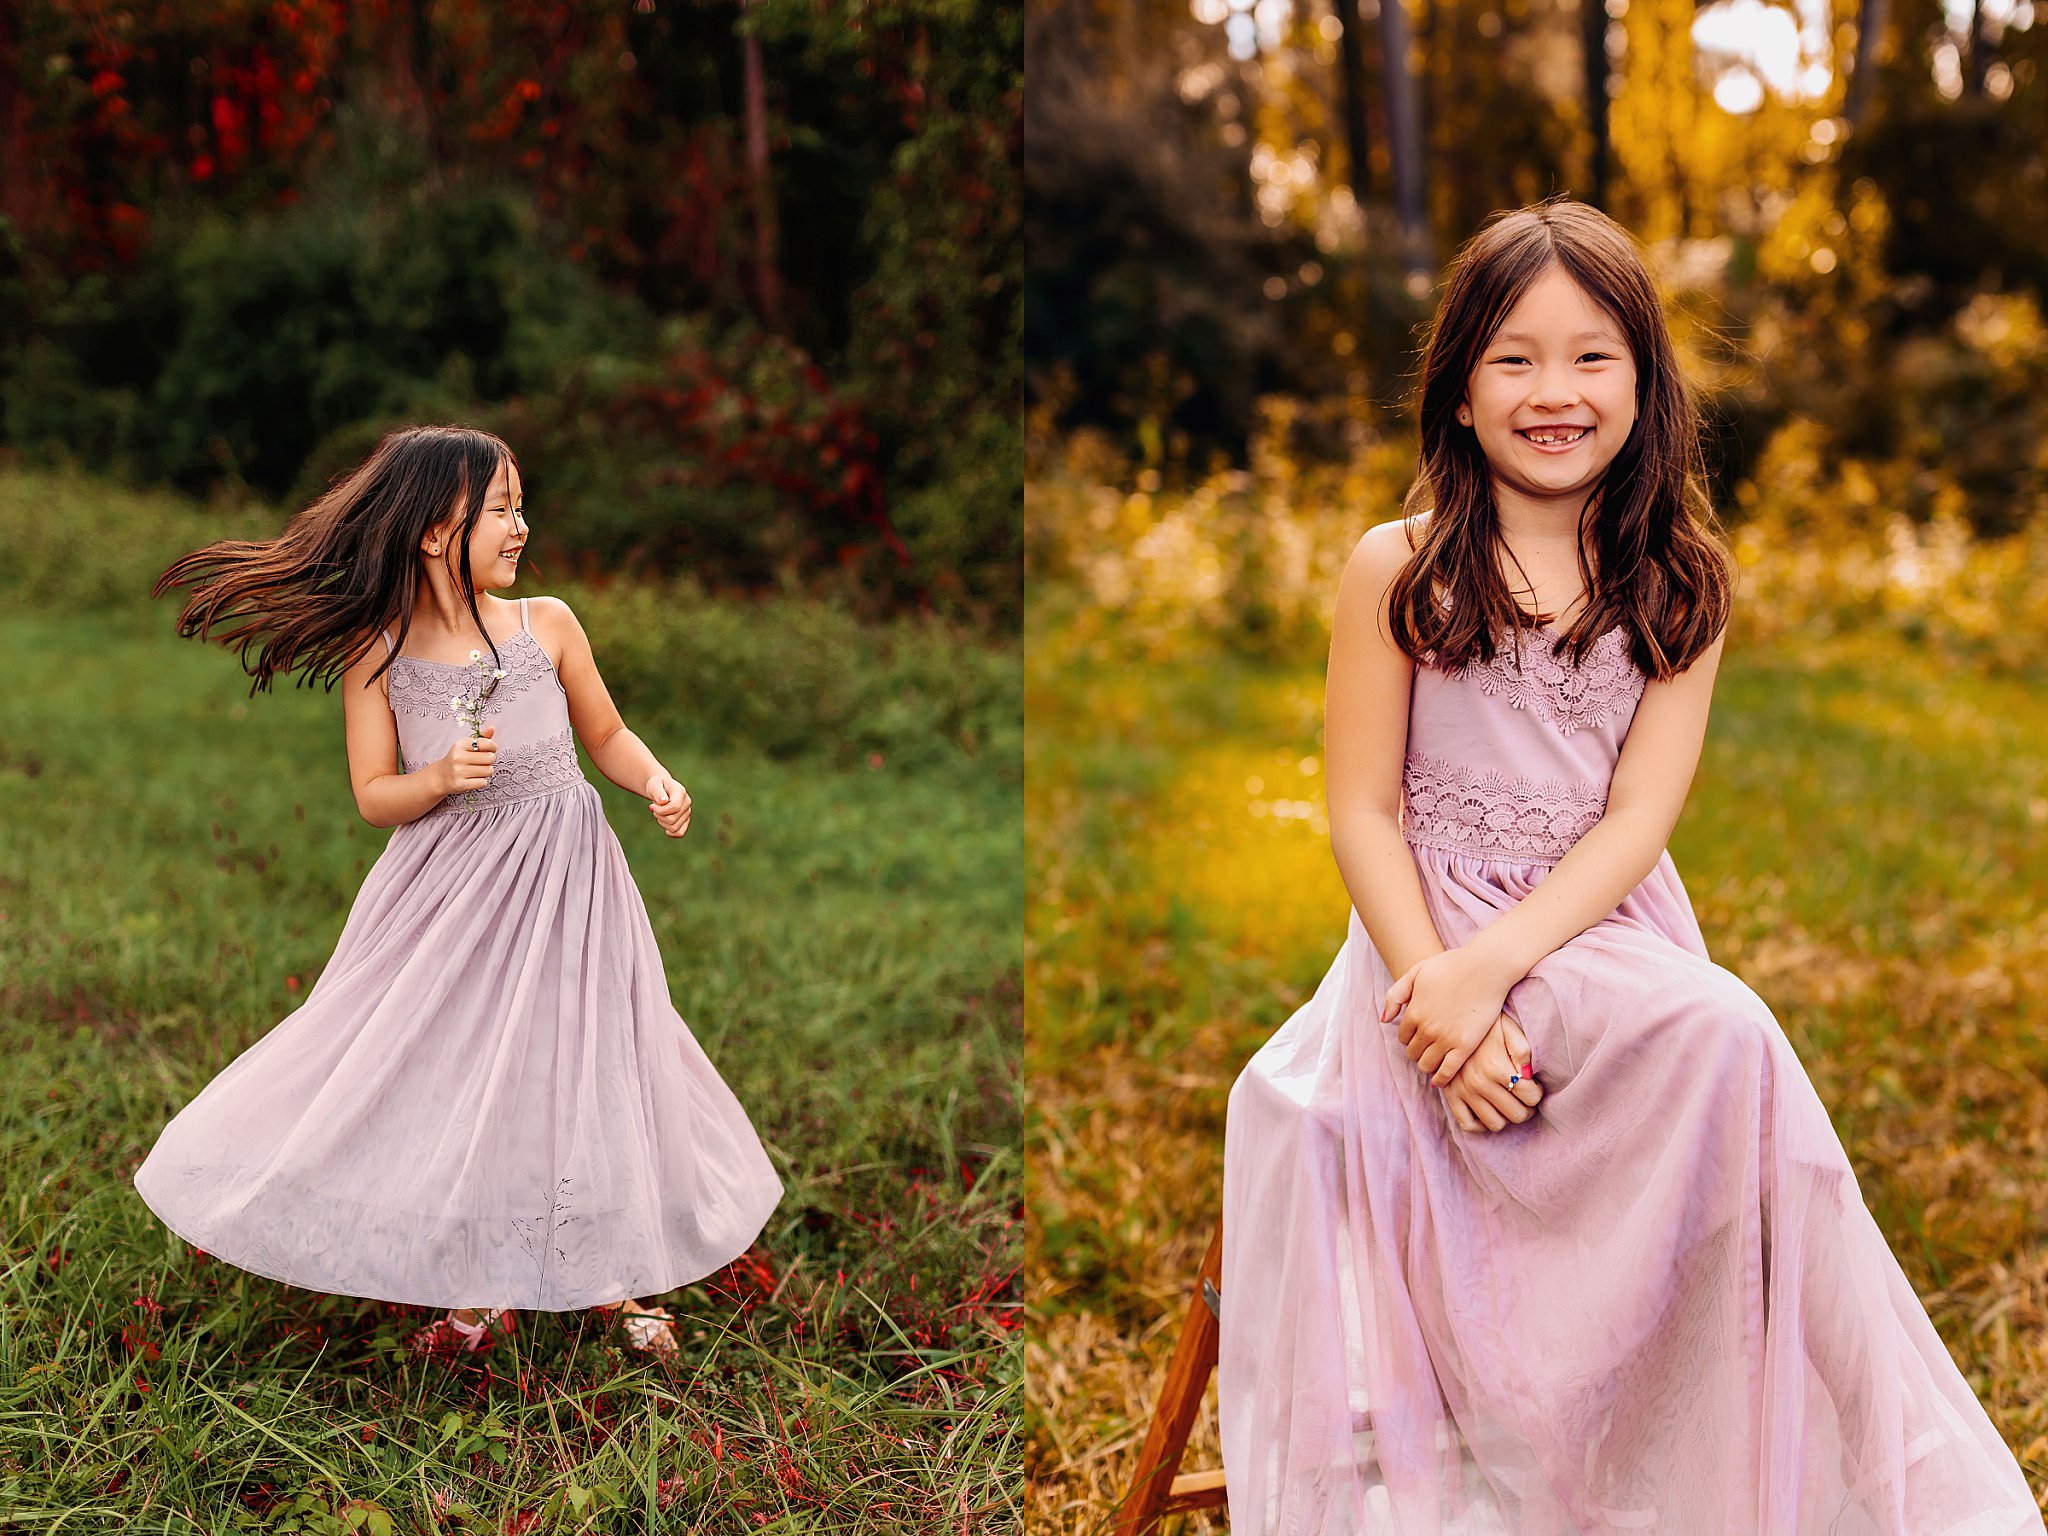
(1532, 1221)
(487, 1100)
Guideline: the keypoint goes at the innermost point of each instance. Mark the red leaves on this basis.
(769, 418)
(745, 1283)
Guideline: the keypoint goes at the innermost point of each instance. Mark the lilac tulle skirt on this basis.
(1658, 1306)
(487, 1099)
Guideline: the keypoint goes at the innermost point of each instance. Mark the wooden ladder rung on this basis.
(1158, 1486)
(1195, 1490)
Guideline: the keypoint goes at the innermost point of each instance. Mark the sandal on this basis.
(650, 1332)
(477, 1336)
(452, 1334)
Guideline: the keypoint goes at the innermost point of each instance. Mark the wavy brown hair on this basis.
(348, 565)
(1659, 565)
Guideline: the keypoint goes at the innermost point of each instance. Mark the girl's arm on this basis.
(384, 796)
(1651, 780)
(1365, 741)
(619, 755)
(1453, 998)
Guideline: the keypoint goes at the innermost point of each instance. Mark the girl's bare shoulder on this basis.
(555, 626)
(1384, 548)
(368, 648)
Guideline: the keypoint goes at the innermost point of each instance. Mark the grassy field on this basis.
(841, 928)
(1863, 844)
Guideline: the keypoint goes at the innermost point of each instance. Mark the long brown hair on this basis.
(346, 566)
(1660, 567)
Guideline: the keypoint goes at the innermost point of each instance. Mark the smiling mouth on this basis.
(1553, 437)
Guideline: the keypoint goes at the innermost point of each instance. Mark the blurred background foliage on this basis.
(741, 283)
(1238, 213)
(1237, 203)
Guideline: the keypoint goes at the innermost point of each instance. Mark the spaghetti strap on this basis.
(522, 613)
(385, 636)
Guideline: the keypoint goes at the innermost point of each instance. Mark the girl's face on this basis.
(1553, 396)
(495, 542)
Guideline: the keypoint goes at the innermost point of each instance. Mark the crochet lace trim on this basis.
(1571, 698)
(540, 767)
(421, 687)
(1490, 814)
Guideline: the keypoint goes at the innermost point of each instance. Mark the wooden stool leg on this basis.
(1155, 1489)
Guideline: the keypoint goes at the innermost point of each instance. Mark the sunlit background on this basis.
(1237, 214)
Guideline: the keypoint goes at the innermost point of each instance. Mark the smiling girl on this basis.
(1533, 1222)
(487, 1100)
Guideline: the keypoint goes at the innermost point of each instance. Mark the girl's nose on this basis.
(1555, 389)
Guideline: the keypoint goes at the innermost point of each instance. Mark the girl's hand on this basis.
(466, 767)
(1479, 1097)
(670, 803)
(1451, 1001)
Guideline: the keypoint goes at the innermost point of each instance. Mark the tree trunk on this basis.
(1404, 137)
(1870, 26)
(21, 188)
(1593, 54)
(1357, 135)
(767, 274)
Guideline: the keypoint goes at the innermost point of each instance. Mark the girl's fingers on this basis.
(1399, 993)
(1503, 1100)
(1447, 1067)
(1491, 1116)
(1454, 1098)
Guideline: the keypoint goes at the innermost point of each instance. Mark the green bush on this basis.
(790, 675)
(238, 347)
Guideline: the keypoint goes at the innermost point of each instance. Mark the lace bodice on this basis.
(1511, 759)
(528, 706)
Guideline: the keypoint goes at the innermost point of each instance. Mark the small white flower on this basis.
(498, 672)
(455, 703)
(473, 655)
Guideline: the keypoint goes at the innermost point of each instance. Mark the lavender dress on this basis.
(487, 1099)
(1659, 1306)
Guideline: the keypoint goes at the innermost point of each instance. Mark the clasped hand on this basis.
(1453, 1028)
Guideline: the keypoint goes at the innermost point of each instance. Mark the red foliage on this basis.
(745, 1283)
(116, 129)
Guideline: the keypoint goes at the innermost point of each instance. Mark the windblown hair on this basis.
(348, 565)
(1659, 566)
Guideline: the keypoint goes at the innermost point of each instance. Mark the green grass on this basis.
(841, 931)
(1863, 843)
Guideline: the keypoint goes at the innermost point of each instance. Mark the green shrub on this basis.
(239, 347)
(790, 675)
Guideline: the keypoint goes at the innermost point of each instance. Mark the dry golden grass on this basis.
(1863, 845)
